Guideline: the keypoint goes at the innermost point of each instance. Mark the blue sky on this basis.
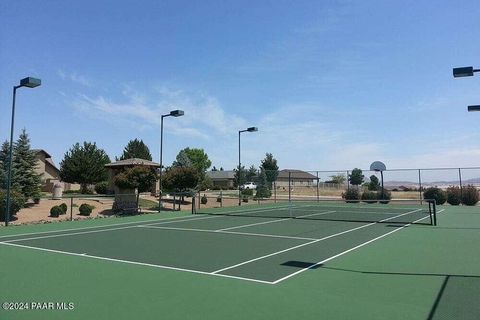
(330, 84)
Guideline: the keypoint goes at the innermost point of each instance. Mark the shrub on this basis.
(101, 187)
(85, 209)
(17, 202)
(470, 195)
(434, 193)
(219, 199)
(56, 211)
(385, 198)
(63, 206)
(369, 197)
(204, 199)
(454, 195)
(245, 198)
(36, 198)
(351, 195)
(247, 192)
(71, 192)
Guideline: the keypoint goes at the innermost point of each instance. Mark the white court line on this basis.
(311, 242)
(134, 262)
(345, 252)
(96, 227)
(103, 230)
(227, 232)
(273, 221)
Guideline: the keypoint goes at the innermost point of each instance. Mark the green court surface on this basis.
(253, 262)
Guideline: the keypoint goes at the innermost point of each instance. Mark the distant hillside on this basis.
(395, 183)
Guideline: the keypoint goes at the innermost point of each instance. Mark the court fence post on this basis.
(174, 198)
(221, 199)
(275, 191)
(318, 182)
(71, 208)
(460, 180)
(348, 181)
(420, 185)
(289, 187)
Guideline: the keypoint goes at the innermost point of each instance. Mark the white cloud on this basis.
(74, 77)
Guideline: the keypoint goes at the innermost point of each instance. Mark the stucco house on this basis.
(222, 179)
(298, 178)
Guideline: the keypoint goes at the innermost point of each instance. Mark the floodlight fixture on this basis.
(177, 113)
(464, 72)
(252, 129)
(473, 108)
(30, 82)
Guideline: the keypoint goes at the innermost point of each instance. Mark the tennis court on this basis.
(261, 243)
(278, 260)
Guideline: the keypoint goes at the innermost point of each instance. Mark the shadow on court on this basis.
(456, 299)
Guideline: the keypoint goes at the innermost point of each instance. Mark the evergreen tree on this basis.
(373, 185)
(269, 164)
(356, 177)
(239, 177)
(182, 160)
(136, 149)
(214, 168)
(26, 180)
(263, 191)
(4, 164)
(84, 164)
(251, 173)
(196, 157)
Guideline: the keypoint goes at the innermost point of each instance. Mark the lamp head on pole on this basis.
(252, 129)
(463, 72)
(30, 82)
(177, 113)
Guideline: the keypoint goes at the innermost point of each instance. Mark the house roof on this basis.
(37, 151)
(295, 174)
(133, 162)
(221, 175)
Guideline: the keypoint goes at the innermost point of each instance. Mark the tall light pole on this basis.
(251, 129)
(466, 72)
(28, 82)
(174, 113)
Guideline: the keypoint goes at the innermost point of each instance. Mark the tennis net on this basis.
(391, 212)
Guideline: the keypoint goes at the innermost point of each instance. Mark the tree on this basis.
(263, 191)
(239, 177)
(141, 178)
(4, 164)
(136, 149)
(221, 168)
(269, 164)
(84, 164)
(337, 179)
(251, 173)
(373, 185)
(214, 168)
(197, 157)
(182, 160)
(26, 180)
(180, 179)
(356, 177)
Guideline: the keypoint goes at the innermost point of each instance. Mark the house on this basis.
(50, 174)
(222, 179)
(297, 178)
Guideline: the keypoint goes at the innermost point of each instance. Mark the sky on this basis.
(331, 85)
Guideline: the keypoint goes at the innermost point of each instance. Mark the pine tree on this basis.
(263, 191)
(26, 179)
(84, 164)
(4, 164)
(136, 149)
(269, 164)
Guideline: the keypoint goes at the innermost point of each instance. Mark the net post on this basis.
(318, 182)
(71, 208)
(193, 204)
(434, 212)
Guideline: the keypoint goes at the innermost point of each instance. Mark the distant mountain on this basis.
(396, 183)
